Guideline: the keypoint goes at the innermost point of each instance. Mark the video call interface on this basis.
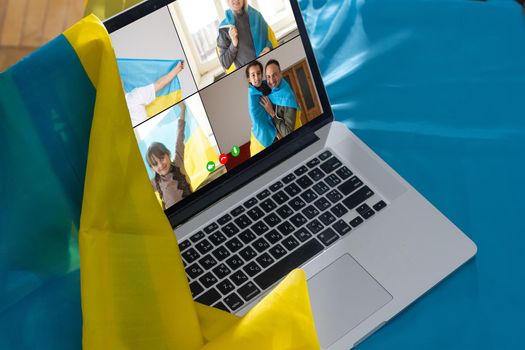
(209, 84)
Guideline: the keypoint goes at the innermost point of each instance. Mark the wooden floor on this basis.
(28, 24)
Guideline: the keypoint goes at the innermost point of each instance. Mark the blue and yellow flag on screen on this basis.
(75, 192)
(137, 73)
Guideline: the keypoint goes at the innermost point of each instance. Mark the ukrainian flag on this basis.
(283, 96)
(198, 150)
(137, 73)
(263, 130)
(262, 34)
(72, 171)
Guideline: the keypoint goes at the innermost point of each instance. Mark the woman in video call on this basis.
(243, 36)
(169, 182)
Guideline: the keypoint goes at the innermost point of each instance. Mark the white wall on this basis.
(226, 101)
(154, 37)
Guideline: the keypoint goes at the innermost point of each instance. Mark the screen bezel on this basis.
(263, 161)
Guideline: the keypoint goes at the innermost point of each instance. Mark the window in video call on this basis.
(209, 84)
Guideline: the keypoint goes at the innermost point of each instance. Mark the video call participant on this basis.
(281, 104)
(243, 36)
(170, 182)
(138, 98)
(263, 131)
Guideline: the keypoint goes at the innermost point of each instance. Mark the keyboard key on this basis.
(204, 246)
(221, 253)
(278, 251)
(255, 213)
(330, 165)
(298, 220)
(247, 236)
(362, 209)
(316, 174)
(276, 186)
(315, 226)
(327, 218)
(211, 227)
(344, 173)
(184, 245)
(350, 186)
(197, 237)
(272, 220)
(208, 280)
(237, 211)
(328, 236)
(216, 238)
(268, 205)
(243, 221)
(250, 202)
(280, 197)
(302, 234)
(238, 277)
(260, 245)
(332, 180)
(260, 228)
(358, 197)
(367, 215)
(264, 194)
(292, 189)
(322, 204)
(221, 306)
(288, 263)
(379, 205)
(248, 291)
(356, 222)
(304, 182)
(285, 211)
(208, 262)
(234, 244)
(286, 228)
(297, 203)
(194, 271)
(301, 171)
(196, 289)
(325, 155)
(265, 260)
(334, 196)
(321, 188)
(225, 286)
(314, 162)
(288, 178)
(309, 196)
(247, 253)
(339, 210)
(221, 271)
(235, 261)
(209, 297)
(233, 301)
(341, 227)
(310, 212)
(223, 220)
(252, 269)
(273, 236)
(190, 255)
(290, 243)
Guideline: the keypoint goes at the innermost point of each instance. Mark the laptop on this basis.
(257, 178)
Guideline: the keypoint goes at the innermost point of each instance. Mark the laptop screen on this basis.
(211, 83)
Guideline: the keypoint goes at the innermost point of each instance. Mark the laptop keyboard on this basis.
(245, 251)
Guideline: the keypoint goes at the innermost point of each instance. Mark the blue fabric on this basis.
(258, 27)
(437, 89)
(284, 96)
(262, 125)
(142, 72)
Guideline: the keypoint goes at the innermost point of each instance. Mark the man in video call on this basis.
(281, 105)
(243, 36)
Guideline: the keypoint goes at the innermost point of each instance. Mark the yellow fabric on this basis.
(298, 122)
(255, 145)
(135, 293)
(106, 8)
(161, 103)
(272, 38)
(198, 152)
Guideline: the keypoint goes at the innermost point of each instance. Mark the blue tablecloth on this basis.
(437, 89)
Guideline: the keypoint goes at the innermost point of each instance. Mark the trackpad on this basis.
(342, 296)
